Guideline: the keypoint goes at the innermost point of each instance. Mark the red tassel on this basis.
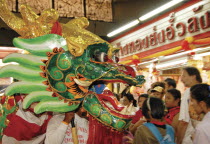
(44, 61)
(61, 50)
(43, 75)
(43, 68)
(55, 50)
(45, 82)
(49, 54)
(49, 89)
(55, 94)
(100, 134)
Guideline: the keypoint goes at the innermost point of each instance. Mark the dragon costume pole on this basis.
(74, 132)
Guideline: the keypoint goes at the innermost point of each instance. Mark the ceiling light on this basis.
(185, 52)
(169, 64)
(160, 9)
(199, 56)
(123, 28)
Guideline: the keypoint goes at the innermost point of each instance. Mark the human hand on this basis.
(141, 121)
(128, 140)
(68, 117)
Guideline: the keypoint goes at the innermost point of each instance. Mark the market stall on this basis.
(160, 47)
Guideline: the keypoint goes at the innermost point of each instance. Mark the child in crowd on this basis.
(169, 83)
(157, 92)
(200, 98)
(155, 84)
(172, 102)
(138, 119)
(153, 110)
(129, 102)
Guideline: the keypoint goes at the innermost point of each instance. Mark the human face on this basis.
(157, 94)
(125, 101)
(187, 79)
(141, 101)
(166, 86)
(197, 106)
(170, 101)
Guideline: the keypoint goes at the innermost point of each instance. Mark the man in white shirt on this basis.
(25, 127)
(190, 76)
(59, 129)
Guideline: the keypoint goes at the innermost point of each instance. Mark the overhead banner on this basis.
(166, 33)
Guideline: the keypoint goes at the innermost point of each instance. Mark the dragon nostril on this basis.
(115, 59)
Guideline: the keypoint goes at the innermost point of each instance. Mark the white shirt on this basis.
(202, 131)
(11, 140)
(31, 118)
(60, 133)
(185, 116)
(129, 110)
(184, 108)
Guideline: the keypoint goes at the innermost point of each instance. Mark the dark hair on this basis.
(201, 92)
(175, 93)
(126, 93)
(193, 71)
(171, 82)
(143, 95)
(157, 108)
(155, 84)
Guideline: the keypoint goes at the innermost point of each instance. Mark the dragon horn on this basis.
(10, 19)
(27, 13)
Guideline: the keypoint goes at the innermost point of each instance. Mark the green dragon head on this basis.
(58, 70)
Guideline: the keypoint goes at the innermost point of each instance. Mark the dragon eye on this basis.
(115, 59)
(101, 57)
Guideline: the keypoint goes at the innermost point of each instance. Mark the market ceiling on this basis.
(123, 11)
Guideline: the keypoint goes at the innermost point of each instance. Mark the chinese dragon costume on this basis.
(59, 64)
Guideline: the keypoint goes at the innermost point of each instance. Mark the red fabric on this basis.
(108, 92)
(18, 98)
(100, 134)
(137, 116)
(99, 96)
(171, 113)
(3, 98)
(110, 99)
(56, 29)
(185, 45)
(158, 122)
(11, 100)
(20, 129)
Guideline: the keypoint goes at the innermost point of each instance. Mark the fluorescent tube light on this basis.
(123, 28)
(160, 9)
(170, 64)
(185, 52)
(203, 54)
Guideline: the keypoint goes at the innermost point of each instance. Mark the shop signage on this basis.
(175, 27)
